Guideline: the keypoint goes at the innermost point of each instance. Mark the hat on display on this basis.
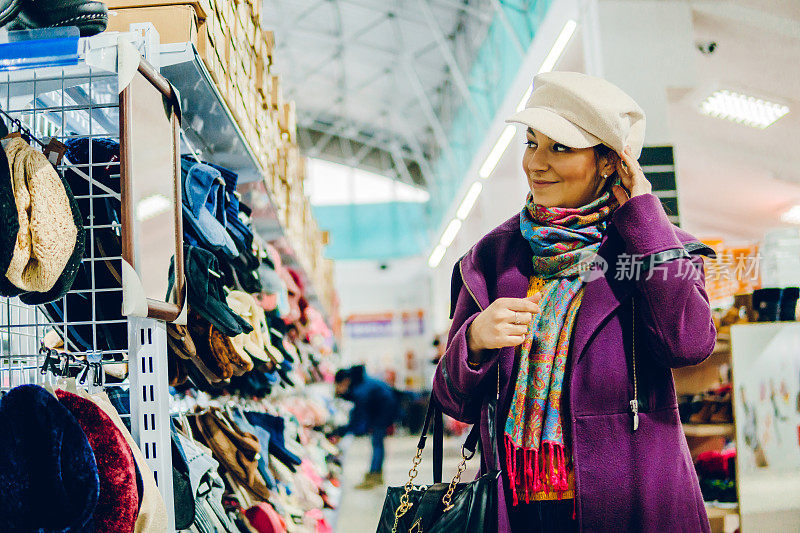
(8, 210)
(205, 293)
(581, 111)
(152, 514)
(47, 232)
(119, 498)
(214, 365)
(207, 485)
(265, 519)
(236, 450)
(272, 283)
(182, 492)
(275, 426)
(223, 344)
(204, 206)
(89, 16)
(232, 207)
(181, 344)
(45, 460)
(245, 306)
(70, 272)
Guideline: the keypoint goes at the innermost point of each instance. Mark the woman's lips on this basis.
(542, 183)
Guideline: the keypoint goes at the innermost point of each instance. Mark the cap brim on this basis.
(555, 126)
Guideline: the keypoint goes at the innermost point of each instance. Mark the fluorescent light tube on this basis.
(152, 206)
(497, 152)
(469, 200)
(792, 216)
(742, 109)
(558, 47)
(450, 232)
(436, 256)
(521, 104)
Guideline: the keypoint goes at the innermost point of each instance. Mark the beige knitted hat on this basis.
(47, 232)
(580, 111)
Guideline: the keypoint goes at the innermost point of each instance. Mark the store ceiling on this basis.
(373, 79)
(735, 181)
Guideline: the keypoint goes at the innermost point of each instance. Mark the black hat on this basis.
(9, 222)
(205, 294)
(46, 463)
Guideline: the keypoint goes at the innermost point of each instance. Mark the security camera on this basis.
(707, 47)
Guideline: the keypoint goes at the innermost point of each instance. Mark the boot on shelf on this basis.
(371, 481)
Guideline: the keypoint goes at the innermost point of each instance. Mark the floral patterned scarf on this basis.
(560, 239)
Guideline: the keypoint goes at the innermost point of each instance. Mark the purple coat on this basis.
(643, 480)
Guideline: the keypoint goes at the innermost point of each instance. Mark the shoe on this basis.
(767, 304)
(704, 414)
(723, 410)
(89, 16)
(788, 305)
(371, 481)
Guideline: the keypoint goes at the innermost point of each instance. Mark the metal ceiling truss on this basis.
(382, 156)
(425, 58)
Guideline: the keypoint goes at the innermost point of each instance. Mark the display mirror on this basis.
(151, 193)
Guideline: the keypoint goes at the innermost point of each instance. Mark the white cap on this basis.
(579, 111)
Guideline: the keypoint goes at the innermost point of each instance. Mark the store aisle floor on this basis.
(360, 509)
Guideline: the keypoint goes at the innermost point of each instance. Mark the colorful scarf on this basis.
(560, 238)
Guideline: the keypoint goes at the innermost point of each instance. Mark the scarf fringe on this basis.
(530, 472)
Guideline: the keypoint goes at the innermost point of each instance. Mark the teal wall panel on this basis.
(374, 231)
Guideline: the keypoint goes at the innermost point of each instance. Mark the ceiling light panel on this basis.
(742, 109)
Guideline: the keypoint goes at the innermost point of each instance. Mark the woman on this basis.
(583, 421)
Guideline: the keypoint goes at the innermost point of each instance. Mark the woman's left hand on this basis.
(631, 176)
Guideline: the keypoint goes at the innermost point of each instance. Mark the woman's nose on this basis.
(536, 161)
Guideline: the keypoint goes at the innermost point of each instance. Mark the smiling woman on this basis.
(562, 176)
(584, 422)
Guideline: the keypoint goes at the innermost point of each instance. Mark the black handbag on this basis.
(444, 507)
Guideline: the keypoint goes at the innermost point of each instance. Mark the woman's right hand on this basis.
(504, 323)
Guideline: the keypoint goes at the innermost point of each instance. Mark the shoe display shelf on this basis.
(705, 436)
(218, 54)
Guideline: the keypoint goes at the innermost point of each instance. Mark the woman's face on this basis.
(560, 176)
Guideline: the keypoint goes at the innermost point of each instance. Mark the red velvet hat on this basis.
(118, 506)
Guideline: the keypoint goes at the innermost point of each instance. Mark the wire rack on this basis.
(78, 105)
(68, 104)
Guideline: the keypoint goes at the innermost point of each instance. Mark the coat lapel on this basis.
(601, 297)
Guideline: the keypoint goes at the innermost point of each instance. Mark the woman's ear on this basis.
(608, 164)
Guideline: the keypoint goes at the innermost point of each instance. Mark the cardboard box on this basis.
(276, 95)
(201, 7)
(262, 80)
(269, 46)
(174, 23)
(287, 120)
(256, 7)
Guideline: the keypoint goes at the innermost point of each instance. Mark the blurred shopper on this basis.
(375, 409)
(587, 426)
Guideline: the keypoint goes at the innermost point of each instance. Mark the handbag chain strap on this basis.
(405, 505)
(462, 466)
(469, 445)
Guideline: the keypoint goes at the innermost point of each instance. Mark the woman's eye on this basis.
(530, 144)
(560, 148)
